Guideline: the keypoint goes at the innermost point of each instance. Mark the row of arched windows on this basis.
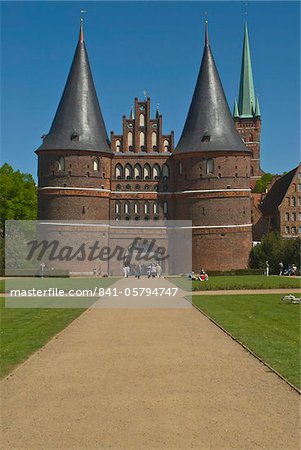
(130, 140)
(136, 208)
(141, 173)
(146, 187)
(209, 167)
(62, 164)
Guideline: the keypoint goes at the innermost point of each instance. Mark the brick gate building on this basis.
(141, 175)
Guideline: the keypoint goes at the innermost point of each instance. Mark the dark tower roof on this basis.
(78, 123)
(209, 125)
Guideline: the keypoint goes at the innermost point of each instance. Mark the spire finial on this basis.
(158, 111)
(206, 30)
(246, 11)
(81, 30)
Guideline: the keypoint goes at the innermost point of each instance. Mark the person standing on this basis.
(267, 268)
(280, 268)
(158, 270)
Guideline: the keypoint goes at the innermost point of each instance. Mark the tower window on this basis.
(74, 136)
(141, 120)
(180, 168)
(205, 138)
(117, 145)
(61, 163)
(209, 166)
(96, 165)
(118, 172)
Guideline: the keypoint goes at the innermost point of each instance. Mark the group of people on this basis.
(152, 271)
(203, 276)
(291, 271)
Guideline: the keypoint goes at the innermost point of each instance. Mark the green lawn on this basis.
(270, 328)
(240, 282)
(25, 330)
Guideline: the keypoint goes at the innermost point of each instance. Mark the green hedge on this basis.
(47, 273)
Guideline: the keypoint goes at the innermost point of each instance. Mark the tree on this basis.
(274, 248)
(262, 183)
(18, 200)
(18, 196)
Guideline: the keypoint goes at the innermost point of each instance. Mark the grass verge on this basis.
(25, 330)
(270, 328)
(237, 282)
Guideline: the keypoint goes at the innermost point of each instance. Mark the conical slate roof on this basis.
(209, 125)
(78, 123)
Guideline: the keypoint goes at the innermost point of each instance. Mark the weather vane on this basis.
(246, 9)
(145, 94)
(82, 11)
(206, 16)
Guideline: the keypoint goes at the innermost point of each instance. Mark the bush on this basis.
(274, 248)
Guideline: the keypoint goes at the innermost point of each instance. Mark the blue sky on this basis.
(152, 46)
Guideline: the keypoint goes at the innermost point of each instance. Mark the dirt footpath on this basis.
(146, 379)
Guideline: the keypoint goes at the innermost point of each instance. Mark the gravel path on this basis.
(146, 379)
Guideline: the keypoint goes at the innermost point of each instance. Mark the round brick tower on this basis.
(74, 159)
(212, 177)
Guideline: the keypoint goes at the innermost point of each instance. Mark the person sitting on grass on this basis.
(203, 275)
(191, 276)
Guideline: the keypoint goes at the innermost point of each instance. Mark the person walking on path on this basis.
(280, 268)
(267, 268)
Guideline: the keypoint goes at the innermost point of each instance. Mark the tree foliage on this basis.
(263, 182)
(274, 248)
(18, 196)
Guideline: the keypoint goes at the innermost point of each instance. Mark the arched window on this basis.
(165, 207)
(118, 172)
(156, 171)
(126, 208)
(166, 145)
(142, 141)
(130, 141)
(165, 171)
(154, 141)
(155, 208)
(141, 120)
(96, 165)
(180, 168)
(136, 208)
(209, 166)
(137, 172)
(61, 163)
(145, 208)
(147, 172)
(128, 172)
(117, 145)
(117, 208)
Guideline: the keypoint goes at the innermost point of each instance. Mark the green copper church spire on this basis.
(246, 99)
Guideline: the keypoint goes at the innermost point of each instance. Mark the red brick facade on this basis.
(143, 180)
(250, 129)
